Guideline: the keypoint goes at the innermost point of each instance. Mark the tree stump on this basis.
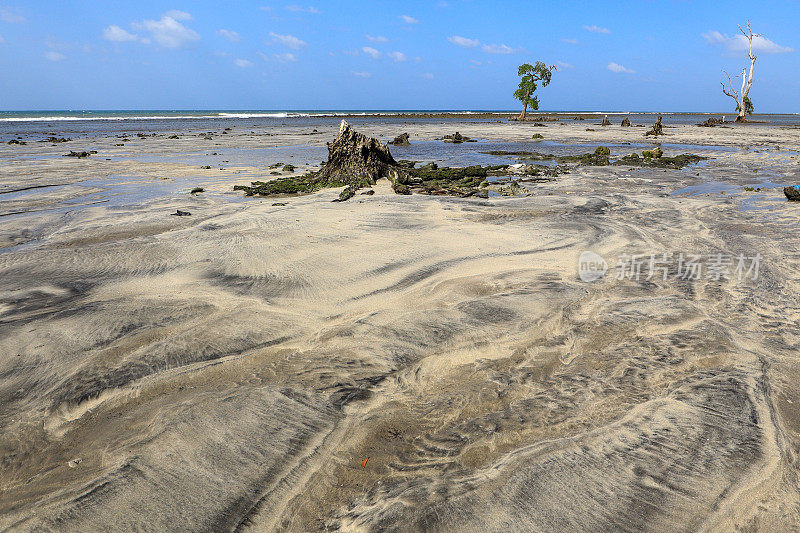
(355, 159)
(657, 129)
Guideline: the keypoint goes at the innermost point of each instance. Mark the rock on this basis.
(711, 122)
(80, 154)
(657, 129)
(347, 193)
(179, 213)
(369, 192)
(429, 166)
(206, 167)
(456, 138)
(626, 122)
(792, 193)
(277, 204)
(173, 137)
(537, 136)
(17, 141)
(56, 140)
(606, 122)
(655, 153)
(400, 140)
(602, 150)
(197, 190)
(401, 188)
(288, 168)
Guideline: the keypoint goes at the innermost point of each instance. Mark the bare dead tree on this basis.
(743, 103)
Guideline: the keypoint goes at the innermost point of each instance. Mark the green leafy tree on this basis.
(531, 77)
(748, 106)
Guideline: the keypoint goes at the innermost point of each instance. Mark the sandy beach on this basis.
(397, 362)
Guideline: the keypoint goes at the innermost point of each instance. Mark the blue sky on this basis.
(453, 54)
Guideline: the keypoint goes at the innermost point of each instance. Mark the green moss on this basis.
(677, 162)
(537, 136)
(602, 150)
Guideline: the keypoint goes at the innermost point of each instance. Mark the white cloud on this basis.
(232, 36)
(409, 20)
(570, 41)
(361, 74)
(398, 56)
(596, 29)
(178, 15)
(426, 75)
(12, 15)
(54, 56)
(377, 38)
(739, 43)
(243, 63)
(563, 64)
(463, 41)
(371, 52)
(118, 35)
(289, 41)
(288, 57)
(619, 69)
(300, 9)
(168, 31)
(499, 49)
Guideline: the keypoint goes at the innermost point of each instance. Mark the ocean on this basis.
(89, 123)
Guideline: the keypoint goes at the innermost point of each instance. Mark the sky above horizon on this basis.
(450, 54)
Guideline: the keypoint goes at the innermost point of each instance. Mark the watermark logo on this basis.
(684, 266)
(591, 267)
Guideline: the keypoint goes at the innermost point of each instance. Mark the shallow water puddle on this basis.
(240, 157)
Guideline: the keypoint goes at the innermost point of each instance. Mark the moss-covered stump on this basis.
(354, 160)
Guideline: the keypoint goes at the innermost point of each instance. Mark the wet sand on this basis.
(234, 369)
